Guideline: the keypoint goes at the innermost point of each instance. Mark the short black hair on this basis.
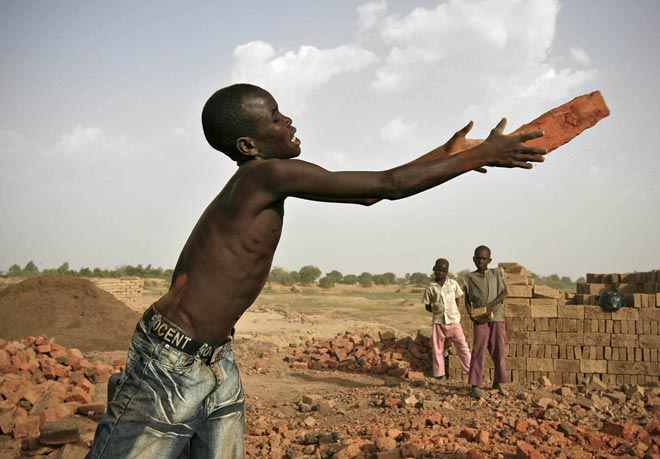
(224, 118)
(440, 261)
(480, 248)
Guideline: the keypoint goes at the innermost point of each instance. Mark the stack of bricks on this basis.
(641, 289)
(400, 358)
(128, 290)
(556, 335)
(42, 382)
(551, 334)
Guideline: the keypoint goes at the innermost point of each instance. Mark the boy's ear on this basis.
(247, 146)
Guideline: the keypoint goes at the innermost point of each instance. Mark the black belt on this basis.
(174, 336)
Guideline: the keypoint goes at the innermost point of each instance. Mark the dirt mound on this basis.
(74, 311)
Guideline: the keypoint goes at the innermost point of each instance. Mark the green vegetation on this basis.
(307, 275)
(31, 270)
(564, 283)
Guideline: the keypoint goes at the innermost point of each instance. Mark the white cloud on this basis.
(90, 146)
(490, 53)
(85, 140)
(387, 81)
(397, 130)
(88, 153)
(370, 13)
(294, 75)
(580, 55)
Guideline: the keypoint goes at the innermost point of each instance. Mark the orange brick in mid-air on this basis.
(559, 125)
(562, 124)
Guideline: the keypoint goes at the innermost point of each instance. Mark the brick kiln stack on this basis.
(567, 337)
(127, 289)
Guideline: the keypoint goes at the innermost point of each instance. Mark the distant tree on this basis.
(30, 269)
(419, 278)
(378, 279)
(168, 273)
(15, 270)
(130, 270)
(290, 278)
(85, 272)
(154, 272)
(308, 274)
(335, 276)
(64, 268)
(276, 275)
(366, 279)
(384, 279)
(350, 279)
(564, 283)
(326, 282)
(389, 278)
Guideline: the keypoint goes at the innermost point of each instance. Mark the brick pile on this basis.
(128, 290)
(568, 337)
(423, 420)
(642, 289)
(399, 358)
(42, 383)
(551, 334)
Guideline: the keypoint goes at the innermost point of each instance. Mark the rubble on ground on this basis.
(401, 358)
(43, 385)
(51, 400)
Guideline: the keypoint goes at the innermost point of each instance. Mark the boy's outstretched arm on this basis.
(305, 180)
(458, 142)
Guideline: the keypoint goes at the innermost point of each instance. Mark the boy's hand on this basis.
(510, 150)
(428, 307)
(459, 142)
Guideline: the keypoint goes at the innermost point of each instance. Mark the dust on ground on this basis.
(320, 413)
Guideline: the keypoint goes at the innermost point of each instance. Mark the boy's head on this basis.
(481, 257)
(243, 121)
(440, 270)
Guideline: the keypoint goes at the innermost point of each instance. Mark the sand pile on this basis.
(74, 311)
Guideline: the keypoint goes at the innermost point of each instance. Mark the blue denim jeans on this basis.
(169, 404)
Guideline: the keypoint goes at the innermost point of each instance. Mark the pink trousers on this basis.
(490, 336)
(454, 333)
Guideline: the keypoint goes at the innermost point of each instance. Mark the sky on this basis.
(103, 161)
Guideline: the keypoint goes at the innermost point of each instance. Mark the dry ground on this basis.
(297, 414)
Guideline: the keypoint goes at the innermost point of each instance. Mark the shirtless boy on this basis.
(181, 388)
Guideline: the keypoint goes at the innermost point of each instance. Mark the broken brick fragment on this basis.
(526, 451)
